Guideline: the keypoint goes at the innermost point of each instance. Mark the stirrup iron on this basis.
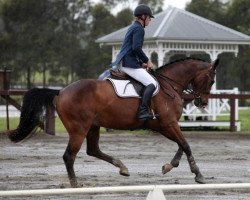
(154, 115)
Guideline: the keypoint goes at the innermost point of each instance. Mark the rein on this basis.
(167, 79)
(179, 88)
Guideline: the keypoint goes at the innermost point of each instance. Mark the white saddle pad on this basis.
(124, 88)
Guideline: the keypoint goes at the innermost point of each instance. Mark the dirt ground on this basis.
(37, 164)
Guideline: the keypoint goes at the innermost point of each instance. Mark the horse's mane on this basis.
(180, 60)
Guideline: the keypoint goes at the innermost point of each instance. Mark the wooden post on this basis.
(232, 115)
(6, 85)
(7, 114)
(50, 120)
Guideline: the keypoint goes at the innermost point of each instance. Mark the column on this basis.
(161, 54)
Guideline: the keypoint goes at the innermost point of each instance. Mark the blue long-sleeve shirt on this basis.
(131, 53)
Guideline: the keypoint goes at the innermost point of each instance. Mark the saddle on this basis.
(119, 75)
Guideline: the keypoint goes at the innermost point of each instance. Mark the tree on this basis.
(96, 59)
(155, 5)
(42, 34)
(214, 10)
(109, 4)
(233, 72)
(239, 17)
(73, 28)
(22, 31)
(124, 18)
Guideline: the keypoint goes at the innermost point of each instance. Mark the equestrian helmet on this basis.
(143, 10)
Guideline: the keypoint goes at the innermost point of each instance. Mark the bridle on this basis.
(196, 93)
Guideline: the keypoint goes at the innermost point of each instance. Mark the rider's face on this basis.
(147, 21)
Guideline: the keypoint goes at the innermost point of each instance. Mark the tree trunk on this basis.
(44, 75)
(28, 77)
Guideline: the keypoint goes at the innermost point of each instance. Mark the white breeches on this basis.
(140, 75)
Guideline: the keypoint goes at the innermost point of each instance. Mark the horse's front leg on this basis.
(174, 133)
(94, 150)
(174, 163)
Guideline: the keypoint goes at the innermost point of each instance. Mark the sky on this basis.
(175, 3)
(130, 3)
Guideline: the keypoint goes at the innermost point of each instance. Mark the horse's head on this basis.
(202, 84)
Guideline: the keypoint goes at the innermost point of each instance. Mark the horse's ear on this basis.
(215, 64)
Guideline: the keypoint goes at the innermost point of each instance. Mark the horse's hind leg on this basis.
(94, 150)
(74, 145)
(174, 133)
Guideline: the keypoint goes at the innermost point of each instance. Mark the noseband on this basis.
(197, 93)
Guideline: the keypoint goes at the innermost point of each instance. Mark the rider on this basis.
(133, 60)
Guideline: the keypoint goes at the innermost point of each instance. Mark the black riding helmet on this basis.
(143, 10)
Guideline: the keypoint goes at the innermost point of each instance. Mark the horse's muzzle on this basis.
(198, 102)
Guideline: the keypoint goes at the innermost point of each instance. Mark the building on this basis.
(179, 31)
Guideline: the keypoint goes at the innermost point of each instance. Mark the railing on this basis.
(216, 107)
(233, 98)
(155, 191)
(48, 125)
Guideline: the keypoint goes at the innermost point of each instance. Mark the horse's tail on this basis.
(34, 102)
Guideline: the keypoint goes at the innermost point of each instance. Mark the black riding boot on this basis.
(144, 114)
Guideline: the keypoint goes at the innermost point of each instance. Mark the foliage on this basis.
(233, 71)
(57, 38)
(214, 10)
(40, 34)
(103, 22)
(155, 5)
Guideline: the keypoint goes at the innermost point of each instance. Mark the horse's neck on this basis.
(182, 73)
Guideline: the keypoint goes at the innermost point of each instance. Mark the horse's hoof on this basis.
(124, 172)
(200, 179)
(166, 168)
(74, 184)
(78, 185)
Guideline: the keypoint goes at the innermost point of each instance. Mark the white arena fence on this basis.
(155, 191)
(215, 107)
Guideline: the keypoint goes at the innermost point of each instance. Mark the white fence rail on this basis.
(155, 191)
(216, 107)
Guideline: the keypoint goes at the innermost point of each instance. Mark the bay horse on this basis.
(86, 105)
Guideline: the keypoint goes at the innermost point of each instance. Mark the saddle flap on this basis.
(123, 82)
(117, 74)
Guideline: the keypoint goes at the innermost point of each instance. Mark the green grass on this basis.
(244, 118)
(14, 122)
(58, 123)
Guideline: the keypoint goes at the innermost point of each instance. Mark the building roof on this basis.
(175, 24)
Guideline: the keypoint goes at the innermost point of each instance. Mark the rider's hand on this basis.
(144, 65)
(149, 65)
